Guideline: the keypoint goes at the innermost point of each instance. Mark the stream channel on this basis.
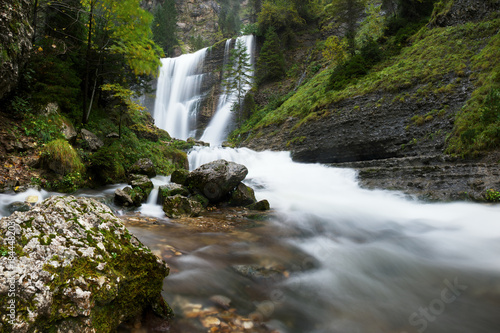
(329, 257)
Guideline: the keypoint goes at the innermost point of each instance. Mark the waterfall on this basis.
(178, 93)
(220, 124)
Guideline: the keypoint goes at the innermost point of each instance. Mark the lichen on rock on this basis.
(76, 268)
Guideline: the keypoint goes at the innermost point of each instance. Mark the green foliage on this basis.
(61, 155)
(477, 126)
(271, 63)
(335, 50)
(238, 75)
(229, 20)
(43, 128)
(130, 34)
(282, 15)
(55, 80)
(492, 195)
(197, 43)
(356, 67)
(164, 27)
(348, 13)
(250, 29)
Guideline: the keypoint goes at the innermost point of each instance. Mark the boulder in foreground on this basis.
(76, 268)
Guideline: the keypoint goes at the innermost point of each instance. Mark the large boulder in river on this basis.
(144, 166)
(142, 182)
(74, 267)
(215, 180)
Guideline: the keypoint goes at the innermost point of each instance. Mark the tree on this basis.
(117, 31)
(348, 13)
(165, 27)
(271, 63)
(335, 50)
(238, 75)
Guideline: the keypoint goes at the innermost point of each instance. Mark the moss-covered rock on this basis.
(171, 190)
(77, 269)
(260, 205)
(142, 182)
(179, 176)
(242, 196)
(178, 206)
(143, 166)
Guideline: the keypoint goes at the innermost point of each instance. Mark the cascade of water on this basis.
(178, 93)
(219, 126)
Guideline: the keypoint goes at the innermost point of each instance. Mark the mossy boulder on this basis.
(171, 190)
(91, 141)
(179, 206)
(179, 176)
(260, 205)
(143, 166)
(142, 182)
(242, 196)
(78, 269)
(215, 180)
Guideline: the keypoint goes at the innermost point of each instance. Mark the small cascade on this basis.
(220, 124)
(178, 94)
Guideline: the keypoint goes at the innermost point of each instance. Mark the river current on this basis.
(331, 257)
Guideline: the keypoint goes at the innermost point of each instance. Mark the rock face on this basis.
(216, 179)
(463, 11)
(76, 269)
(15, 41)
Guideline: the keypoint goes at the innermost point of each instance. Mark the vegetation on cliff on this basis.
(405, 50)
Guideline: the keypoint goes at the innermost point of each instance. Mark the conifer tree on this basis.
(271, 63)
(238, 75)
(164, 27)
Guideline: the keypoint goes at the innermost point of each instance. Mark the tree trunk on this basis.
(35, 10)
(87, 69)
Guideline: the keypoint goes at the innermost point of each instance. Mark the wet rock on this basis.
(178, 206)
(122, 198)
(142, 182)
(144, 166)
(91, 140)
(215, 180)
(198, 142)
(179, 176)
(222, 301)
(78, 268)
(260, 205)
(170, 190)
(18, 206)
(242, 196)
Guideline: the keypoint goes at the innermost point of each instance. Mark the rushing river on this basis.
(331, 257)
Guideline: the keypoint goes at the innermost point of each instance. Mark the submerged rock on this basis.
(77, 269)
(215, 180)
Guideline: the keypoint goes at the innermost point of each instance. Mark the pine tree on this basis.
(238, 75)
(271, 63)
(164, 27)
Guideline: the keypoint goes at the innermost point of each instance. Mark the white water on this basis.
(383, 256)
(178, 94)
(220, 124)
